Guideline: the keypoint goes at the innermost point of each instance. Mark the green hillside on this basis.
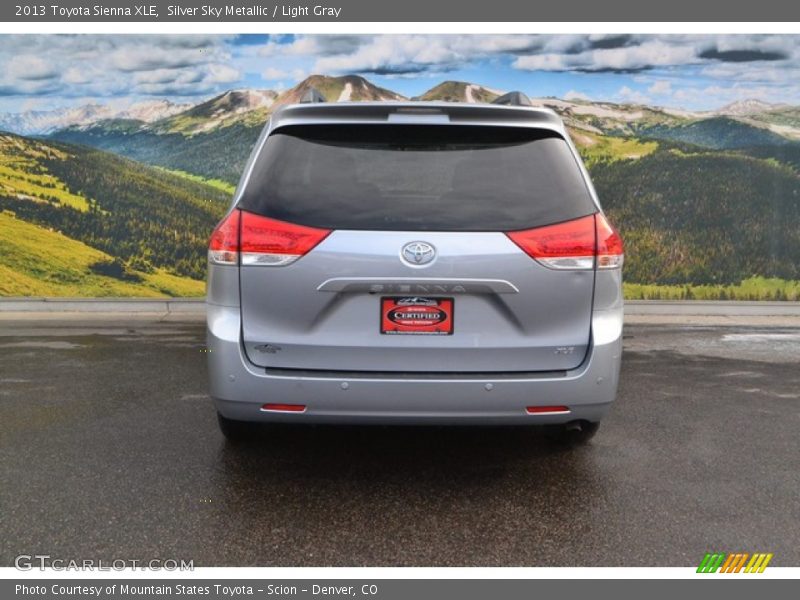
(787, 116)
(752, 288)
(707, 200)
(718, 133)
(596, 148)
(213, 139)
(703, 217)
(217, 154)
(145, 228)
(35, 261)
(689, 215)
(236, 106)
(787, 154)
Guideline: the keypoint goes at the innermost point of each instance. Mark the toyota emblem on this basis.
(418, 253)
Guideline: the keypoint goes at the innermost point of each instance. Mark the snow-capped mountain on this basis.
(220, 110)
(461, 91)
(42, 122)
(347, 88)
(748, 107)
(152, 110)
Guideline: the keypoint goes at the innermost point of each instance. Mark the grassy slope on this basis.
(687, 216)
(22, 173)
(182, 143)
(223, 186)
(35, 261)
(219, 154)
(753, 288)
(718, 133)
(189, 125)
(707, 217)
(81, 222)
(29, 266)
(600, 148)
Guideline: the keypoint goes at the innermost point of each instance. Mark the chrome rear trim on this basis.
(417, 285)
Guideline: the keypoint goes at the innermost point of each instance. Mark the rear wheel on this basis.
(576, 433)
(235, 431)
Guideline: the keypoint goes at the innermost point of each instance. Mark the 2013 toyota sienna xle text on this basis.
(415, 263)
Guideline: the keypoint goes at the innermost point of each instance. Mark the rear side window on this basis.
(417, 177)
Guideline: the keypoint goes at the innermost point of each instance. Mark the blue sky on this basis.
(693, 71)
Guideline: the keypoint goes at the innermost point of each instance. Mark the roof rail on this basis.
(312, 96)
(513, 99)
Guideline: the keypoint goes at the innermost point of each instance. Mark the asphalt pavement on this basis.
(109, 449)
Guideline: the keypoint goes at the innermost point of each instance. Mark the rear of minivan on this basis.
(414, 263)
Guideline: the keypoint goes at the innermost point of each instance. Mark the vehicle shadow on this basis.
(405, 495)
(395, 452)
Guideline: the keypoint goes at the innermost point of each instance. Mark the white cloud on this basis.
(646, 55)
(78, 75)
(313, 45)
(388, 54)
(168, 76)
(575, 95)
(412, 54)
(627, 94)
(102, 66)
(221, 73)
(726, 94)
(674, 68)
(30, 68)
(660, 87)
(781, 74)
(272, 74)
(149, 57)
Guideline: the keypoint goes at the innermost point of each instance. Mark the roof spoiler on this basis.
(513, 99)
(312, 96)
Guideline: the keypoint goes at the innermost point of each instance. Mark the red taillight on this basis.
(568, 245)
(573, 244)
(538, 410)
(284, 407)
(610, 250)
(269, 242)
(261, 241)
(223, 248)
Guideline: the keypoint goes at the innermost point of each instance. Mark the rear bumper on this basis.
(239, 388)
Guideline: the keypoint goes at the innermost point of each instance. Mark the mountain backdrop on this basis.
(105, 201)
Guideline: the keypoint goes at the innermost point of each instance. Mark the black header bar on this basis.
(442, 11)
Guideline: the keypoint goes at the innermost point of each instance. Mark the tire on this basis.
(235, 431)
(577, 433)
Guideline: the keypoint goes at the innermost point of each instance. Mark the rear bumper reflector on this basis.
(547, 410)
(292, 408)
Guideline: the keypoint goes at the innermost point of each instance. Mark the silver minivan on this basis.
(415, 263)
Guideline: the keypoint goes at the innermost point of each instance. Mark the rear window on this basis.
(417, 177)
